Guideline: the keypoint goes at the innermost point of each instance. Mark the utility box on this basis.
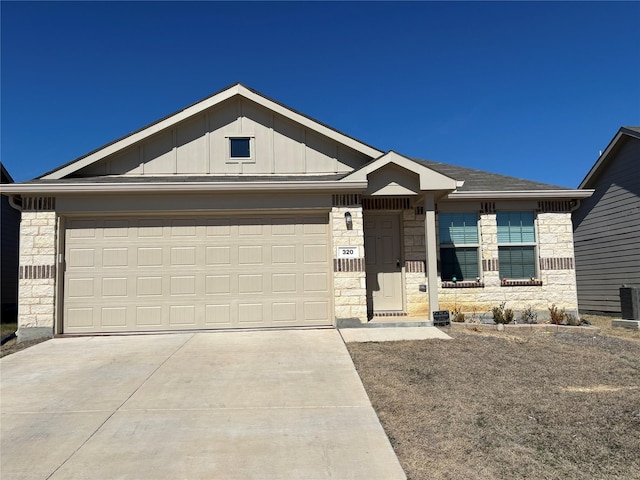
(630, 302)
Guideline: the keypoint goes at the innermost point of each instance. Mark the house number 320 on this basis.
(348, 252)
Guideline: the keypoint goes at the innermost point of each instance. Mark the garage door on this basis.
(148, 274)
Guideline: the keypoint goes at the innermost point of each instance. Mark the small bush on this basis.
(457, 315)
(562, 317)
(508, 315)
(529, 315)
(557, 317)
(501, 314)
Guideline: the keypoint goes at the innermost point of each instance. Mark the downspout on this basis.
(576, 206)
(12, 202)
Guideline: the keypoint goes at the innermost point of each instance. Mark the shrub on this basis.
(557, 317)
(457, 315)
(508, 315)
(501, 314)
(529, 315)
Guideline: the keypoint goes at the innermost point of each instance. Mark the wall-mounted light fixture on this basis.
(348, 220)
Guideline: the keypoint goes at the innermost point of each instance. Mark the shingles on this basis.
(479, 181)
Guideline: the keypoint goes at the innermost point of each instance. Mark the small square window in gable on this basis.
(241, 149)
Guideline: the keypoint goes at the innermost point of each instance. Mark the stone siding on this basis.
(417, 302)
(555, 254)
(349, 277)
(555, 270)
(37, 282)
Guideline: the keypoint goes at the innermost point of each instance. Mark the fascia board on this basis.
(522, 194)
(429, 179)
(602, 159)
(200, 107)
(178, 187)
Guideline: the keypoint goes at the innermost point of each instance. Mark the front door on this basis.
(383, 262)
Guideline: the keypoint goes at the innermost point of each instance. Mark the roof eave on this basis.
(178, 187)
(603, 158)
(520, 195)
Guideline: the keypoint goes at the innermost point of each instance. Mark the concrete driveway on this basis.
(224, 405)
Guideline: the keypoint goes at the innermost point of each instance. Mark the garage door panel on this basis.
(218, 315)
(115, 287)
(80, 318)
(81, 257)
(251, 313)
(250, 255)
(315, 311)
(146, 274)
(182, 315)
(284, 312)
(113, 317)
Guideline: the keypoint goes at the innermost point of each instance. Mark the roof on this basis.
(236, 89)
(623, 134)
(481, 181)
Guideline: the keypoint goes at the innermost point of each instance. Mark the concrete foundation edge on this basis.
(633, 324)
(34, 333)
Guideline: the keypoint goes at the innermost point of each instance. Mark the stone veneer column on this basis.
(349, 277)
(557, 261)
(37, 274)
(414, 263)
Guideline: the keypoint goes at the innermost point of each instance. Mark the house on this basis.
(239, 212)
(10, 218)
(606, 226)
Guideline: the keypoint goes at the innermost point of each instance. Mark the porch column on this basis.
(432, 252)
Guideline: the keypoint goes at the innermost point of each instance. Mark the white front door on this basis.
(383, 262)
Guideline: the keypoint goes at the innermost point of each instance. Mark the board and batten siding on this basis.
(607, 232)
(199, 146)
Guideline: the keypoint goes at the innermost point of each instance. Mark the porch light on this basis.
(348, 220)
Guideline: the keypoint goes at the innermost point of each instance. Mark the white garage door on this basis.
(147, 274)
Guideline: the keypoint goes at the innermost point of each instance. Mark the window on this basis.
(516, 244)
(240, 147)
(458, 246)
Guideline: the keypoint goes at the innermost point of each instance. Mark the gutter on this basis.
(520, 194)
(181, 187)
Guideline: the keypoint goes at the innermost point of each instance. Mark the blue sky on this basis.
(533, 90)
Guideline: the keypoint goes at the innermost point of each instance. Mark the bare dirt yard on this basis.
(498, 406)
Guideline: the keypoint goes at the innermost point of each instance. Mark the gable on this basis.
(625, 135)
(195, 141)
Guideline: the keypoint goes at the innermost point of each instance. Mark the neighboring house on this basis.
(239, 212)
(9, 234)
(606, 226)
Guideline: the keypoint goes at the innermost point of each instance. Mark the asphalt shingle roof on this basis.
(481, 181)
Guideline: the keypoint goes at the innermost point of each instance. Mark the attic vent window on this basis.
(240, 147)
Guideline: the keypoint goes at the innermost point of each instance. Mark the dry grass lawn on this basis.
(493, 406)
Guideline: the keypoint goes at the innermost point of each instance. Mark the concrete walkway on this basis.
(392, 334)
(242, 405)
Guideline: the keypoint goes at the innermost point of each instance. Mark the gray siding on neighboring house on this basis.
(9, 234)
(607, 230)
